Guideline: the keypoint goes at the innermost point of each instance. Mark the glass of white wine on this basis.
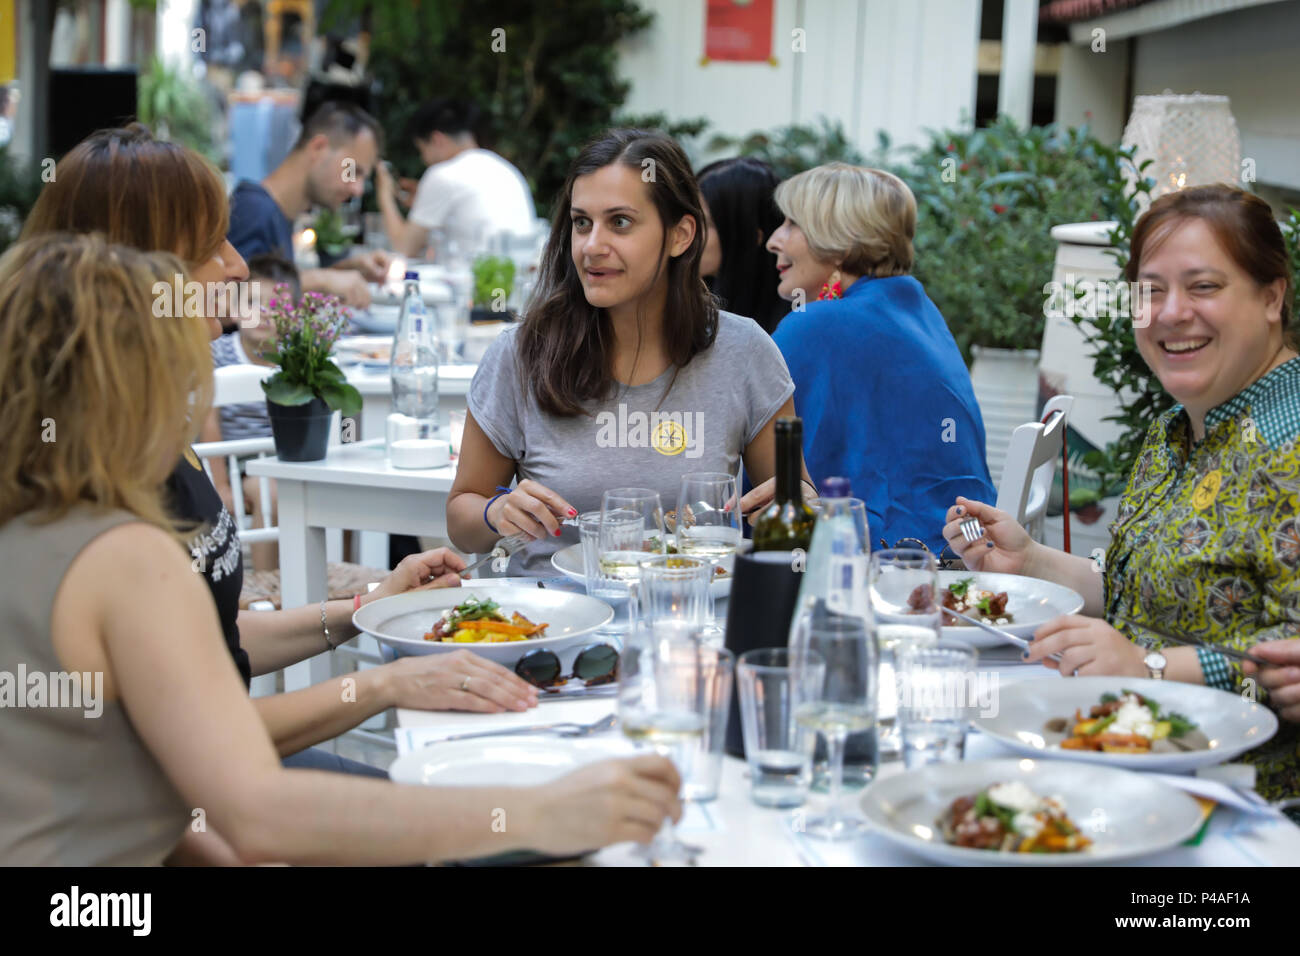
(902, 590)
(662, 704)
(833, 685)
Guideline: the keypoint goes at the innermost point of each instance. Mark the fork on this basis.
(564, 729)
(971, 529)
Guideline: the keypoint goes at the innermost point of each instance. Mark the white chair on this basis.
(1032, 454)
(242, 383)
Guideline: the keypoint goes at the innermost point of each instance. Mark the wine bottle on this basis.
(787, 523)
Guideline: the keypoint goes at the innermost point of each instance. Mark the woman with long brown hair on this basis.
(150, 729)
(620, 333)
(159, 196)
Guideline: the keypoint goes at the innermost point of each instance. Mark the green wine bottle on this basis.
(787, 523)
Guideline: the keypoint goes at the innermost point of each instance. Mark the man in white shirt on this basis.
(469, 194)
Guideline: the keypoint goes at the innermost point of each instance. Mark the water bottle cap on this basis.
(835, 488)
(412, 274)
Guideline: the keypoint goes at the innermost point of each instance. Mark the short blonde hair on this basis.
(101, 395)
(864, 219)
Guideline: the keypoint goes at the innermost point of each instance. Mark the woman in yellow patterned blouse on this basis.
(1207, 540)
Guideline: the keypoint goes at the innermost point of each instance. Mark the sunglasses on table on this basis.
(594, 665)
(947, 560)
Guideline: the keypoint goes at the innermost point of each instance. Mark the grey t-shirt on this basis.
(638, 437)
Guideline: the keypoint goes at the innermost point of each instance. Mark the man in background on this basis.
(335, 154)
(467, 193)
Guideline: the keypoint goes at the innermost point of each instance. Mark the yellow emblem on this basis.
(669, 438)
(1207, 491)
(192, 458)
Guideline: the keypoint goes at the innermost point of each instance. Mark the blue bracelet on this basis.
(1215, 669)
(500, 491)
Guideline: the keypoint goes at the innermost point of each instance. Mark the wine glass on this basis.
(631, 530)
(661, 703)
(902, 589)
(708, 528)
(834, 673)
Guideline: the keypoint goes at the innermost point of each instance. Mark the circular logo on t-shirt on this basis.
(669, 438)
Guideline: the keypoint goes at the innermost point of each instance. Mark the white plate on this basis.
(568, 561)
(1233, 724)
(1031, 602)
(1125, 814)
(521, 761)
(378, 318)
(403, 620)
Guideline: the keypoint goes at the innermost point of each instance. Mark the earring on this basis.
(831, 289)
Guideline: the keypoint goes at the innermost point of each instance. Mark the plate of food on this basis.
(1128, 722)
(501, 623)
(365, 349)
(568, 561)
(1019, 812)
(1012, 602)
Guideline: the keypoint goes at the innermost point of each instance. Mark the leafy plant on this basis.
(175, 108)
(305, 333)
(330, 237)
(794, 149)
(492, 273)
(19, 186)
(547, 83)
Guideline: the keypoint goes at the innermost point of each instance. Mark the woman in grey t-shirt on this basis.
(624, 372)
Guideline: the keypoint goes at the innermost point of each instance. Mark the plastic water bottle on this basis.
(415, 357)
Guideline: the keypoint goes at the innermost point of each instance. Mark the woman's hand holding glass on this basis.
(532, 509)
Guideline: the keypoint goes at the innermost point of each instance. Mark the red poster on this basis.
(738, 30)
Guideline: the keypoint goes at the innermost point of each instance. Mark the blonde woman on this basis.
(101, 399)
(884, 395)
(153, 195)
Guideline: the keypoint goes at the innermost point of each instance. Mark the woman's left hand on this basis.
(760, 496)
(439, 568)
(1282, 679)
(1089, 647)
(459, 680)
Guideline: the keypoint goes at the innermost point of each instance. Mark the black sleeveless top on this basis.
(214, 551)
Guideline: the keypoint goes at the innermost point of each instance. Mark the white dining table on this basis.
(374, 382)
(353, 487)
(733, 831)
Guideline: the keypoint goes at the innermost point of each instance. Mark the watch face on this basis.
(1155, 661)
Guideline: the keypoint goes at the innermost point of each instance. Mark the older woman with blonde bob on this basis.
(101, 398)
(879, 382)
(1206, 542)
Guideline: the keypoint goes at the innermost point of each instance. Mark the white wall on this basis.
(897, 65)
(1251, 56)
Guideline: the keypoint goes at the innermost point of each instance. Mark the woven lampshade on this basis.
(1192, 139)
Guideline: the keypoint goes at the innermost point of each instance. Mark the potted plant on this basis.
(494, 278)
(331, 241)
(307, 388)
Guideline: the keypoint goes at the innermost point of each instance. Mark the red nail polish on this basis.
(573, 513)
(557, 532)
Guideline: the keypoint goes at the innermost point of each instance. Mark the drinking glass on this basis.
(676, 588)
(708, 526)
(936, 698)
(617, 527)
(631, 530)
(661, 703)
(902, 588)
(779, 771)
(833, 686)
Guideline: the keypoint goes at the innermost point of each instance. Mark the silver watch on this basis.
(1156, 664)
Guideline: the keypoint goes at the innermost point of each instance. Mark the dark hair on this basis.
(566, 344)
(739, 194)
(341, 123)
(1241, 222)
(277, 269)
(445, 115)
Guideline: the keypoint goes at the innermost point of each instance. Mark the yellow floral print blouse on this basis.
(1207, 542)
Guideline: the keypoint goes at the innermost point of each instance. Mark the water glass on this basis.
(779, 771)
(708, 521)
(937, 689)
(716, 675)
(902, 584)
(676, 588)
(632, 530)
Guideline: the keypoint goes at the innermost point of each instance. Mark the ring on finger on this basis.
(464, 684)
